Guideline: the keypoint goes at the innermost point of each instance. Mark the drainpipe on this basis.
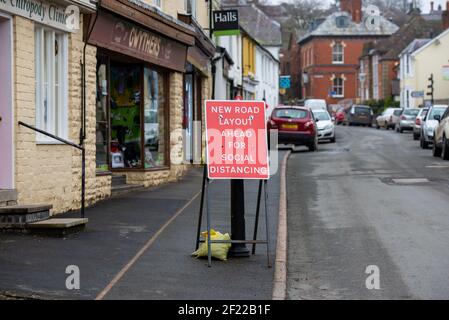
(83, 115)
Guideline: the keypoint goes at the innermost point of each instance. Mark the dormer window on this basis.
(342, 22)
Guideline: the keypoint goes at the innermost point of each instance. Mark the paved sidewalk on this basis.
(120, 227)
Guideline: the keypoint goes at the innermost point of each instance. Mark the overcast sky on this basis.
(426, 3)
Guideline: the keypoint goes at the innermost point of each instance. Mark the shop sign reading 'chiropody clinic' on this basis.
(237, 146)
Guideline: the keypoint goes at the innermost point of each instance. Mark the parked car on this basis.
(359, 115)
(325, 124)
(441, 136)
(296, 125)
(429, 125)
(417, 125)
(406, 120)
(385, 120)
(340, 116)
(316, 104)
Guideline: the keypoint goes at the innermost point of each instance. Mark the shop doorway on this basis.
(6, 105)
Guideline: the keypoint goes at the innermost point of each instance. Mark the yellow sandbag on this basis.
(218, 250)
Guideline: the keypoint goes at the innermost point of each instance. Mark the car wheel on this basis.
(313, 146)
(401, 130)
(436, 150)
(415, 137)
(445, 150)
(377, 127)
(423, 143)
(333, 140)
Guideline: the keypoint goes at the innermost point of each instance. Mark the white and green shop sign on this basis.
(48, 13)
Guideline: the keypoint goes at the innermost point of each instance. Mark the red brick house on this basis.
(330, 52)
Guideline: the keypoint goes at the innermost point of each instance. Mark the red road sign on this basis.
(236, 133)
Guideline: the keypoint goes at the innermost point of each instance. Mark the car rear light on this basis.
(308, 125)
(403, 118)
(273, 124)
(391, 118)
(418, 121)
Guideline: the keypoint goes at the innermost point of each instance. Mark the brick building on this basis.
(330, 51)
(378, 78)
(291, 66)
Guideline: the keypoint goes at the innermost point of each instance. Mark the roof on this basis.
(415, 45)
(428, 44)
(416, 27)
(328, 27)
(256, 23)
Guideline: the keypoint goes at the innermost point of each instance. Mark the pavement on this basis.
(349, 207)
(138, 246)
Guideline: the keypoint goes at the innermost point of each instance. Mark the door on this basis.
(6, 106)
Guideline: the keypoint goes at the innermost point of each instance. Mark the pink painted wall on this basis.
(6, 107)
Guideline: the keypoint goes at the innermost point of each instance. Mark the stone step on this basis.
(54, 227)
(23, 214)
(125, 188)
(8, 197)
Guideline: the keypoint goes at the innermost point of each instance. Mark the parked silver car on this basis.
(441, 137)
(387, 118)
(406, 120)
(430, 123)
(418, 121)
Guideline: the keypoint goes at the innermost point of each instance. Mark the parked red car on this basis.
(340, 116)
(296, 125)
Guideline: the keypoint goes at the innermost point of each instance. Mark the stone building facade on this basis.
(46, 92)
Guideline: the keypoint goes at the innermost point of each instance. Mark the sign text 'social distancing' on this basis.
(237, 145)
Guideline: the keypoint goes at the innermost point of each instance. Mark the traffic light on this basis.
(431, 87)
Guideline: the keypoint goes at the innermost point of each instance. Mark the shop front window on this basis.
(125, 116)
(101, 116)
(154, 119)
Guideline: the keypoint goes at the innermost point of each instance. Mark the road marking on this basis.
(128, 266)
(410, 181)
(280, 271)
(438, 167)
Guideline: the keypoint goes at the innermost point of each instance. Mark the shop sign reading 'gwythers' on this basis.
(119, 35)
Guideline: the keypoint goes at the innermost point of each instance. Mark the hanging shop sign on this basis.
(285, 82)
(119, 35)
(65, 18)
(226, 22)
(237, 146)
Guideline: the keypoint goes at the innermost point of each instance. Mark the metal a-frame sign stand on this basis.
(205, 194)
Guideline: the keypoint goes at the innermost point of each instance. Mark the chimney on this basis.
(354, 8)
(445, 17)
(432, 6)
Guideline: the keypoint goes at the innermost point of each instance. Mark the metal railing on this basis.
(83, 161)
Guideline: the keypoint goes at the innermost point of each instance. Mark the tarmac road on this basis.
(346, 212)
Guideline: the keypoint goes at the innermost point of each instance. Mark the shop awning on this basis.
(204, 49)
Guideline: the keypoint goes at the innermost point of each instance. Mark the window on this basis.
(157, 3)
(190, 6)
(342, 22)
(102, 127)
(338, 87)
(338, 53)
(154, 119)
(51, 83)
